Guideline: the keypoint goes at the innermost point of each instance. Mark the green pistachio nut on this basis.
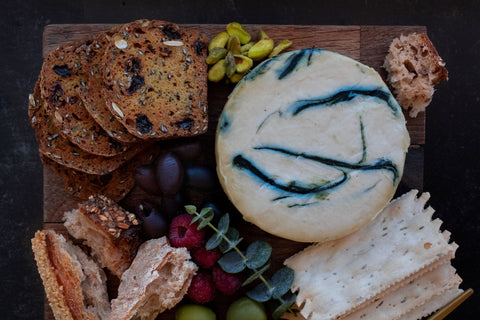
(220, 40)
(236, 77)
(216, 54)
(262, 35)
(243, 63)
(261, 49)
(244, 49)
(217, 71)
(230, 64)
(235, 28)
(234, 45)
(282, 45)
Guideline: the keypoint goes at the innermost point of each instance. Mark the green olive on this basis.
(216, 54)
(219, 41)
(235, 28)
(261, 49)
(194, 312)
(282, 45)
(217, 71)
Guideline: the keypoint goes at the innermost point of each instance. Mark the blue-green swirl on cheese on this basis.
(311, 145)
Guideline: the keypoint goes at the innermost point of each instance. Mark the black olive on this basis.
(188, 150)
(200, 177)
(145, 179)
(172, 205)
(154, 224)
(169, 173)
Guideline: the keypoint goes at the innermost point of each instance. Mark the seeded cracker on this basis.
(342, 276)
(156, 79)
(432, 305)
(60, 79)
(91, 57)
(57, 148)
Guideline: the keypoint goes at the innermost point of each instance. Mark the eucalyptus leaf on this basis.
(191, 209)
(256, 274)
(207, 215)
(224, 223)
(281, 282)
(288, 300)
(258, 254)
(233, 240)
(232, 262)
(260, 293)
(214, 241)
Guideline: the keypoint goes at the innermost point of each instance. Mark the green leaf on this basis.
(224, 223)
(258, 254)
(191, 209)
(260, 293)
(256, 274)
(280, 310)
(233, 240)
(214, 241)
(207, 215)
(232, 262)
(281, 282)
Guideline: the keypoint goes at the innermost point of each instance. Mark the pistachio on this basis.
(233, 45)
(216, 54)
(243, 63)
(261, 49)
(262, 35)
(230, 64)
(282, 45)
(217, 71)
(220, 40)
(244, 49)
(235, 28)
(236, 77)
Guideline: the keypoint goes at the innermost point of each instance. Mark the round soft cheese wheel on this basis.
(311, 145)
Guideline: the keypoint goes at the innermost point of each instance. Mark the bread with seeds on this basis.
(111, 232)
(74, 284)
(156, 79)
(91, 58)
(57, 148)
(60, 78)
(414, 68)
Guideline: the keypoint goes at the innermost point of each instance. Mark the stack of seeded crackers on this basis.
(396, 267)
(100, 104)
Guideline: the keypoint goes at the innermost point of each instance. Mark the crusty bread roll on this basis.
(74, 284)
(414, 67)
(157, 280)
(109, 230)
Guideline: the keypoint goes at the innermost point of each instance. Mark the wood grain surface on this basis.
(368, 44)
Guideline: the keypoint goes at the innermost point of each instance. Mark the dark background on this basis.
(452, 142)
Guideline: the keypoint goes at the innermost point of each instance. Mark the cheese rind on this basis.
(311, 145)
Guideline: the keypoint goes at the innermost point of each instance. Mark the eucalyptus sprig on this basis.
(256, 258)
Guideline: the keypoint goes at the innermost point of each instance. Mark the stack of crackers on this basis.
(100, 103)
(396, 267)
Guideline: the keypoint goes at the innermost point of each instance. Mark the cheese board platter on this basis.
(367, 44)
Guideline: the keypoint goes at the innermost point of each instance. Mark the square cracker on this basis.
(338, 277)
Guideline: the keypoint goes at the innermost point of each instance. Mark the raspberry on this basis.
(226, 282)
(205, 258)
(202, 288)
(182, 234)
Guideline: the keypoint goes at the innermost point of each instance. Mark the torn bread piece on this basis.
(338, 277)
(157, 280)
(111, 232)
(74, 284)
(414, 67)
(410, 295)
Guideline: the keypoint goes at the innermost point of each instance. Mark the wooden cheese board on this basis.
(368, 44)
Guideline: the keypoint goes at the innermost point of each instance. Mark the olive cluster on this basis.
(232, 54)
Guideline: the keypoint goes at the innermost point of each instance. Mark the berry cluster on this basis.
(210, 277)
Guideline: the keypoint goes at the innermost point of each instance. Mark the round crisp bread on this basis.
(60, 78)
(54, 146)
(91, 58)
(156, 79)
(311, 145)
